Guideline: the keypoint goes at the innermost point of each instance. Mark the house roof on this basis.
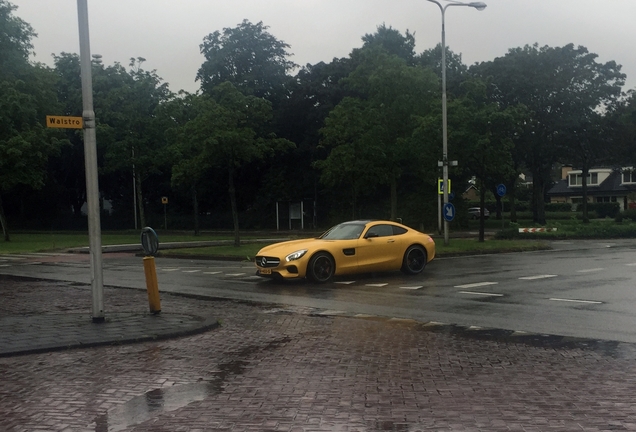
(611, 186)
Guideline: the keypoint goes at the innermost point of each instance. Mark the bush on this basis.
(627, 214)
(558, 207)
(603, 210)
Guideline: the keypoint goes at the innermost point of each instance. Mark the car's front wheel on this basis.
(414, 260)
(321, 268)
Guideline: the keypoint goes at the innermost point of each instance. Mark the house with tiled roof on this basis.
(603, 185)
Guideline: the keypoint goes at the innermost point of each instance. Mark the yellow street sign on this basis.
(64, 122)
(440, 186)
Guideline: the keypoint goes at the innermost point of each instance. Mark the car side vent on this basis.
(349, 251)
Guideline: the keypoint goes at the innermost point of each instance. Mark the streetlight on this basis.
(90, 160)
(479, 6)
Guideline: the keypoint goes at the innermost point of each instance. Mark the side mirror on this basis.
(371, 235)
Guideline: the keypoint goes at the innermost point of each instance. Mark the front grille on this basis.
(265, 261)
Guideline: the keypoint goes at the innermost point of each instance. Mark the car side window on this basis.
(398, 230)
(380, 231)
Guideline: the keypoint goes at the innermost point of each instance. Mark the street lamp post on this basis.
(90, 160)
(479, 6)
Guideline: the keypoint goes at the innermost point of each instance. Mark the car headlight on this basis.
(295, 255)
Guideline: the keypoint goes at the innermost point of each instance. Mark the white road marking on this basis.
(476, 284)
(331, 312)
(215, 272)
(345, 282)
(191, 271)
(235, 274)
(632, 264)
(434, 323)
(412, 287)
(590, 270)
(537, 277)
(576, 301)
(5, 265)
(481, 293)
(377, 285)
(169, 269)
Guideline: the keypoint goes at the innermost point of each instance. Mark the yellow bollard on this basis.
(151, 285)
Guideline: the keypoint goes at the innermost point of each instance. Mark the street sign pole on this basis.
(90, 160)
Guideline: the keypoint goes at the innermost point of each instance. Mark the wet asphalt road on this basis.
(580, 289)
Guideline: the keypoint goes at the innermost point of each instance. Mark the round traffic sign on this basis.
(449, 212)
(149, 241)
(501, 190)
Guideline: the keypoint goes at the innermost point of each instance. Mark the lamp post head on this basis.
(480, 6)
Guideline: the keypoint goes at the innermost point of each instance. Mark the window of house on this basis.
(629, 176)
(577, 179)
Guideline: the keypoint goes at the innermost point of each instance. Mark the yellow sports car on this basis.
(351, 247)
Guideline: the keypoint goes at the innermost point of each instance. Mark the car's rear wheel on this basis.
(414, 260)
(321, 268)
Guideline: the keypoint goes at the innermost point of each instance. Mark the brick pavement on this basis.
(272, 368)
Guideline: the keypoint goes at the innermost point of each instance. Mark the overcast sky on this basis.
(167, 33)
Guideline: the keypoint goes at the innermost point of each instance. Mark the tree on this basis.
(228, 132)
(483, 135)
(393, 42)
(375, 128)
(247, 56)
(558, 86)
(26, 96)
(130, 135)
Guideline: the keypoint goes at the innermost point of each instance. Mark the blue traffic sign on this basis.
(449, 212)
(501, 190)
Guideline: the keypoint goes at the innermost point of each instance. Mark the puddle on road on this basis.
(145, 407)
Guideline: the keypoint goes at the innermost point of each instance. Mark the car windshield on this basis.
(345, 231)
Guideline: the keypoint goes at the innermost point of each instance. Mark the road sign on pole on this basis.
(501, 190)
(449, 212)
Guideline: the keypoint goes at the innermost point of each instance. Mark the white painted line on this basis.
(216, 272)
(5, 265)
(481, 293)
(519, 333)
(190, 271)
(169, 269)
(377, 285)
(332, 312)
(31, 263)
(403, 320)
(576, 301)
(364, 316)
(632, 264)
(474, 328)
(537, 277)
(345, 282)
(590, 270)
(476, 285)
(412, 287)
(433, 323)
(235, 274)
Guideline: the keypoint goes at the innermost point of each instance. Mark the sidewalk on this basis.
(36, 319)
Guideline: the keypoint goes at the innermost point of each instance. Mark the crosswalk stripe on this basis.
(537, 277)
(474, 285)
